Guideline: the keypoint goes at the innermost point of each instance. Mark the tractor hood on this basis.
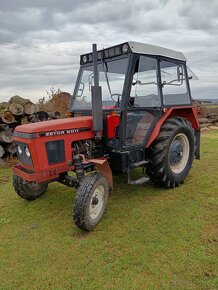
(56, 125)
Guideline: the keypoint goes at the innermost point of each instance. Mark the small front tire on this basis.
(90, 202)
(28, 190)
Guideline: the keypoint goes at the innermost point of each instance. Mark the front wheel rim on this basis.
(97, 202)
(179, 153)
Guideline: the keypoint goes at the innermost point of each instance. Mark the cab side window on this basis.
(174, 85)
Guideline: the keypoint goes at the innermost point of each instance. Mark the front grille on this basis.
(55, 151)
(23, 158)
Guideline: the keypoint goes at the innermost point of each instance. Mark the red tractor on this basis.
(131, 108)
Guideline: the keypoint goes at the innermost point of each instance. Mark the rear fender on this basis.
(190, 113)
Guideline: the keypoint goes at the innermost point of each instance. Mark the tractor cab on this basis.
(138, 82)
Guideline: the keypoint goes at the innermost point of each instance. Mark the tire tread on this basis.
(20, 189)
(157, 169)
(82, 200)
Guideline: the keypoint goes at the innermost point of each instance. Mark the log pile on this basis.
(208, 118)
(18, 111)
(7, 147)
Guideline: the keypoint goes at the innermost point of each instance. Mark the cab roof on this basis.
(135, 47)
(144, 48)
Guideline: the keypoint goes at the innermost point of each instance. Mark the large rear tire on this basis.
(90, 202)
(28, 190)
(172, 153)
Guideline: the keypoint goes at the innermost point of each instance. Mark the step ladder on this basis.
(140, 180)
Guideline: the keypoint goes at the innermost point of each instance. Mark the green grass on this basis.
(210, 105)
(149, 238)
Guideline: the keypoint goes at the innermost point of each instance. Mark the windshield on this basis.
(111, 79)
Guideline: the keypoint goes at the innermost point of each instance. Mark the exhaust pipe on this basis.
(96, 91)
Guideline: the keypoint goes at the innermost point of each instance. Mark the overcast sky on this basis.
(41, 40)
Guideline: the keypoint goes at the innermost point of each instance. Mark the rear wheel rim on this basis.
(179, 153)
(97, 202)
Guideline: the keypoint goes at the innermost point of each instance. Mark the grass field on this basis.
(149, 238)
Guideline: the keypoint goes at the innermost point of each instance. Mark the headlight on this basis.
(27, 151)
(19, 150)
(125, 48)
(85, 59)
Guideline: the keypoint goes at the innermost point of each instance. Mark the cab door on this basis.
(144, 102)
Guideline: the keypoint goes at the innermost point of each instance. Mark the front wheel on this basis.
(90, 202)
(172, 153)
(28, 190)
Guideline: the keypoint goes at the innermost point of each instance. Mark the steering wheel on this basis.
(119, 96)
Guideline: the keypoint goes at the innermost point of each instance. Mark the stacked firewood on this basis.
(208, 117)
(19, 111)
(6, 145)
